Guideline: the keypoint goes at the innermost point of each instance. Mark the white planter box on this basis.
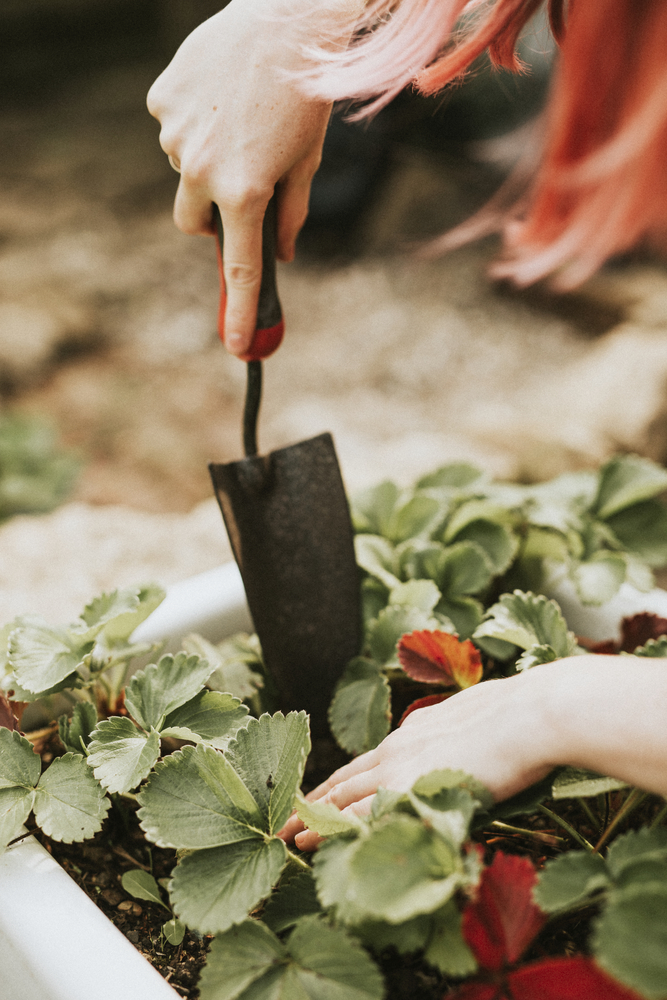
(55, 944)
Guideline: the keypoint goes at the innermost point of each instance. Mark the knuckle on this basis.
(244, 199)
(242, 275)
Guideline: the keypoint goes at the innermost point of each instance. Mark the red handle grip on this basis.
(270, 323)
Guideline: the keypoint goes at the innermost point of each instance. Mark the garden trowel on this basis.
(288, 522)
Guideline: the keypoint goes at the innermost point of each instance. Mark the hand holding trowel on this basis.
(289, 525)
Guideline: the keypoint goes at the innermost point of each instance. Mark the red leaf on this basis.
(435, 657)
(575, 978)
(638, 629)
(503, 919)
(429, 699)
(7, 718)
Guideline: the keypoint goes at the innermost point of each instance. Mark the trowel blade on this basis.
(289, 524)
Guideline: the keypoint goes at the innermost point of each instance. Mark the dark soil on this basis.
(97, 867)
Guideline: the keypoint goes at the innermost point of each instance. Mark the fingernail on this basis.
(234, 342)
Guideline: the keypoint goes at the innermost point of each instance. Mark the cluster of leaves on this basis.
(471, 536)
(35, 476)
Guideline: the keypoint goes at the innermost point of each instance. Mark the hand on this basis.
(238, 127)
(494, 731)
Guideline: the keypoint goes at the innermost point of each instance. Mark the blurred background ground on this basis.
(107, 312)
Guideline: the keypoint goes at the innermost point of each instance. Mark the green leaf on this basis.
(359, 714)
(234, 662)
(410, 936)
(654, 648)
(527, 620)
(457, 475)
(642, 529)
(142, 885)
(420, 594)
(69, 804)
(195, 799)
(325, 818)
(213, 889)
(15, 807)
(77, 729)
(209, 717)
(446, 950)
(378, 557)
(462, 569)
(319, 963)
(445, 806)
(497, 541)
(174, 931)
(534, 656)
(121, 755)
(371, 509)
(567, 880)
(20, 766)
(353, 876)
(237, 959)
(116, 615)
(163, 687)
(416, 517)
(294, 899)
(270, 757)
(575, 783)
(634, 847)
(43, 656)
(597, 580)
(521, 804)
(465, 613)
(630, 938)
(392, 623)
(627, 480)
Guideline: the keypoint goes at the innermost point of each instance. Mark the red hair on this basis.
(601, 187)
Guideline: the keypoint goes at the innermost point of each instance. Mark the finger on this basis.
(292, 827)
(308, 840)
(242, 265)
(293, 198)
(354, 789)
(193, 213)
(362, 763)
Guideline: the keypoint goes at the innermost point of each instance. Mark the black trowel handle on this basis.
(270, 324)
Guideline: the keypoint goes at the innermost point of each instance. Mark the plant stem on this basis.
(635, 797)
(555, 818)
(659, 817)
(589, 812)
(548, 838)
(298, 861)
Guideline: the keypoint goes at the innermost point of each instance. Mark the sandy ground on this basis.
(107, 322)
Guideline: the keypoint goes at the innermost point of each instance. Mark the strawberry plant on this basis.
(570, 903)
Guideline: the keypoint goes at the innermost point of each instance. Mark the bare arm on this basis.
(606, 713)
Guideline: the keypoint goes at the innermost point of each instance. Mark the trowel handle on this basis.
(270, 323)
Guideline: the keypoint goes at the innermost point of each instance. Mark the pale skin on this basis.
(238, 128)
(605, 713)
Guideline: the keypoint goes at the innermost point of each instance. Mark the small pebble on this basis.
(136, 910)
(132, 936)
(125, 906)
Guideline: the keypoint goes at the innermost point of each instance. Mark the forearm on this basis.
(607, 714)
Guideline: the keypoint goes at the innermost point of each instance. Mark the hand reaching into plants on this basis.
(604, 713)
(238, 127)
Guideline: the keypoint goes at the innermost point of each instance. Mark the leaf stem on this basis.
(659, 817)
(298, 861)
(635, 797)
(589, 812)
(548, 838)
(555, 818)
